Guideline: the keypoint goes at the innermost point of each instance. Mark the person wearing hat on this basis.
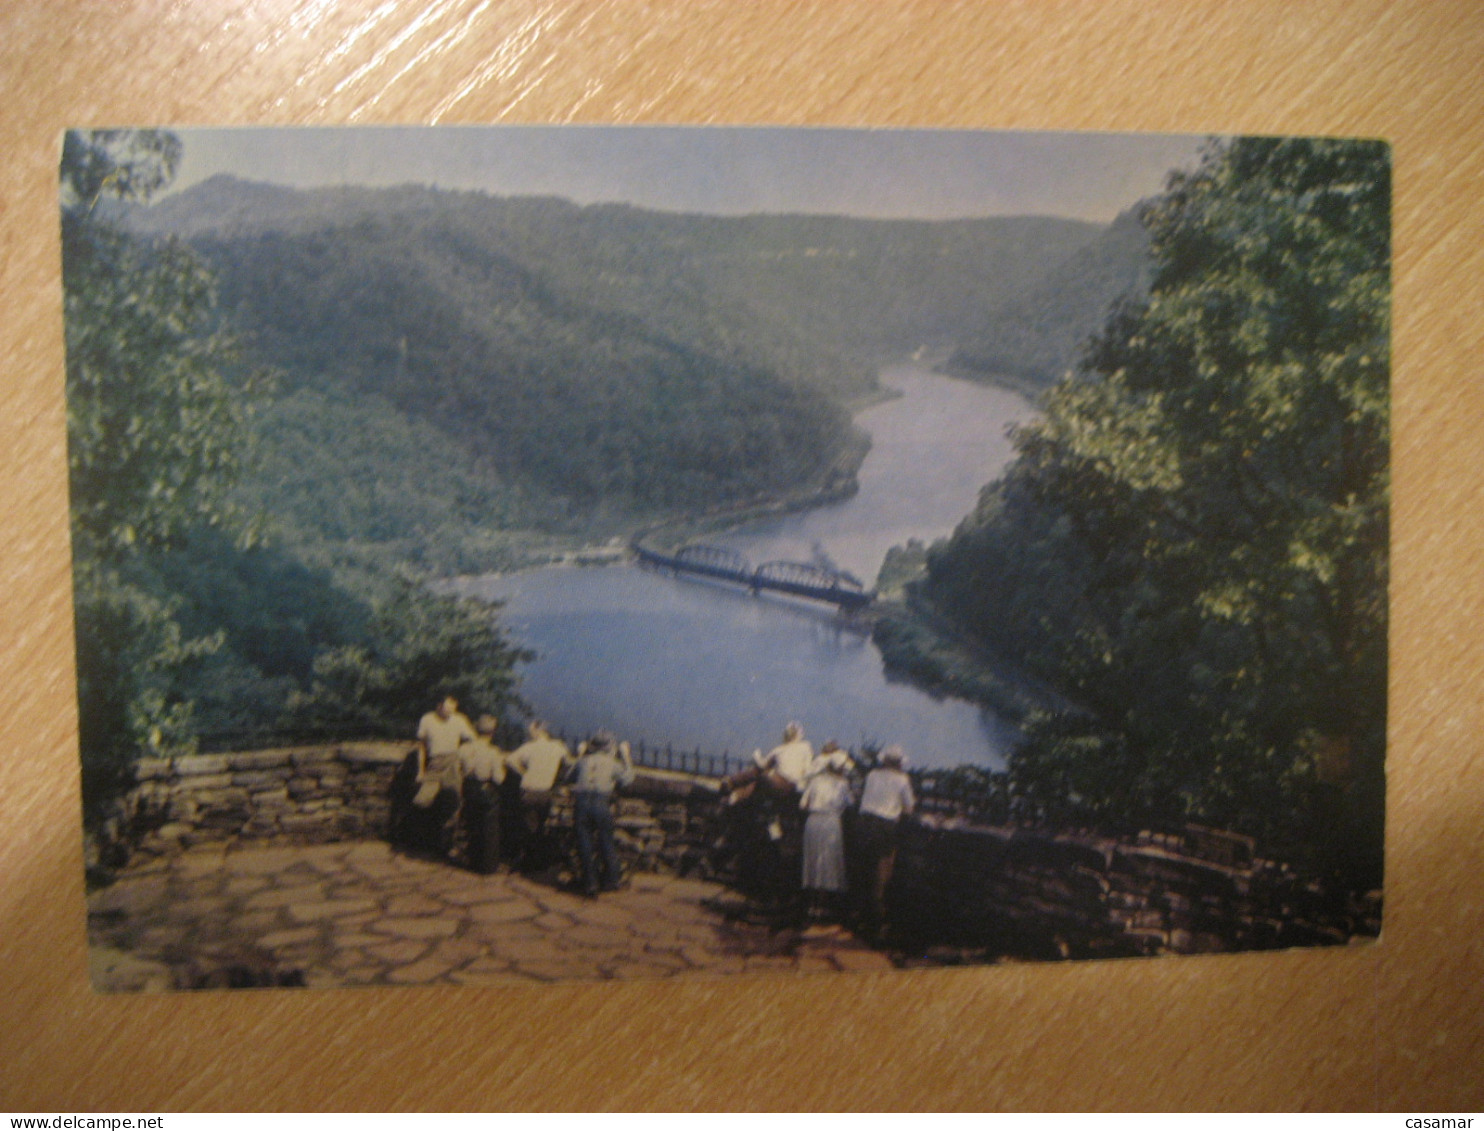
(602, 765)
(826, 796)
(885, 800)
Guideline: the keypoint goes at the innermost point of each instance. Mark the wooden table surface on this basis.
(1395, 1026)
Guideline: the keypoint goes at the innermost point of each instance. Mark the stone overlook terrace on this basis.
(358, 913)
(266, 868)
(269, 868)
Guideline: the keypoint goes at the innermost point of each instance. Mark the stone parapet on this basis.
(300, 795)
(319, 794)
(959, 887)
(1037, 893)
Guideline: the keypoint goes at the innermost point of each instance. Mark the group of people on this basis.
(792, 808)
(459, 781)
(804, 839)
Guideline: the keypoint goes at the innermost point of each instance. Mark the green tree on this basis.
(422, 647)
(128, 165)
(1192, 543)
(182, 614)
(155, 431)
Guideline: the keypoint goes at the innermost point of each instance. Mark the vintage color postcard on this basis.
(543, 553)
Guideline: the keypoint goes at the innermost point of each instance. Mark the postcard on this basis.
(525, 554)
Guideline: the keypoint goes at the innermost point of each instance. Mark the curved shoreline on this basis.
(841, 484)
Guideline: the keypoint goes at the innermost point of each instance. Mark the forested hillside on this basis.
(288, 409)
(580, 403)
(188, 625)
(1032, 340)
(817, 298)
(493, 364)
(1191, 546)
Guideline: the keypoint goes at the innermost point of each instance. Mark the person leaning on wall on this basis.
(484, 775)
(538, 761)
(602, 766)
(825, 798)
(885, 800)
(784, 771)
(435, 807)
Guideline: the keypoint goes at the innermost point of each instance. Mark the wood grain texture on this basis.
(1396, 1025)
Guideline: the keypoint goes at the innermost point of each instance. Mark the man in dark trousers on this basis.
(484, 775)
(602, 766)
(885, 800)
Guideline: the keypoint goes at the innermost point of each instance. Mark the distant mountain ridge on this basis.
(858, 287)
(574, 363)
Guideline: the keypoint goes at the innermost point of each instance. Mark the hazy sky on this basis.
(928, 174)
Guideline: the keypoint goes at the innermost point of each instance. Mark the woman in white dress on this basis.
(826, 795)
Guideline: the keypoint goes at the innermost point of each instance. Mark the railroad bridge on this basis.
(797, 579)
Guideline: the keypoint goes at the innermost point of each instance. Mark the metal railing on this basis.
(980, 795)
(696, 761)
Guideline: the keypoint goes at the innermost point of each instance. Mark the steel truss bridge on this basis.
(797, 579)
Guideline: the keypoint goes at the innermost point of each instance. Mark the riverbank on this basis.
(545, 552)
(918, 646)
(604, 543)
(608, 543)
(699, 665)
(840, 483)
(1029, 385)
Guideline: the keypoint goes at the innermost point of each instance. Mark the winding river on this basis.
(700, 665)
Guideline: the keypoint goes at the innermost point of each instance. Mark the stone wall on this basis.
(961, 891)
(316, 794)
(304, 795)
(1039, 894)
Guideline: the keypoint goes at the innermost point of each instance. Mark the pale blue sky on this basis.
(927, 174)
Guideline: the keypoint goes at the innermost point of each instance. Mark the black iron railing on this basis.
(967, 792)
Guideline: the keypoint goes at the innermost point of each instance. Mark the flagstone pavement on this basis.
(360, 913)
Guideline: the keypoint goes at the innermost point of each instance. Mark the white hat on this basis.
(836, 760)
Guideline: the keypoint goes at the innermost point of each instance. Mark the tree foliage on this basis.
(131, 656)
(155, 428)
(420, 649)
(124, 165)
(185, 622)
(1192, 541)
(530, 363)
(154, 431)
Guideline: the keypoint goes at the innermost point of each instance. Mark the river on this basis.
(706, 666)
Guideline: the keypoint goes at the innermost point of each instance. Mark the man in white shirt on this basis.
(885, 800)
(791, 760)
(440, 735)
(538, 761)
(774, 867)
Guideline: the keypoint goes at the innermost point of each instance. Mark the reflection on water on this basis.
(709, 666)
